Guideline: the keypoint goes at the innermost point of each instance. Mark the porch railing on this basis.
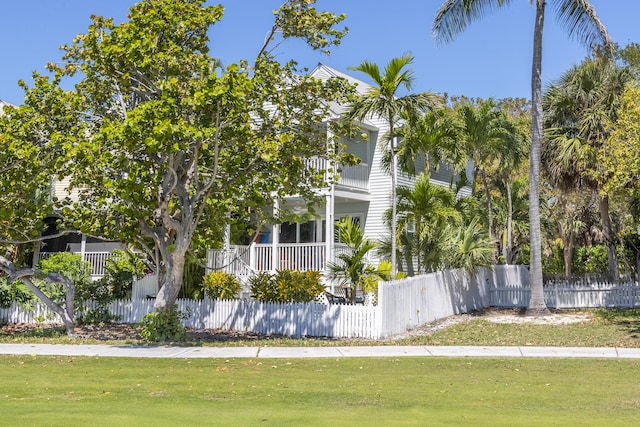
(245, 260)
(98, 261)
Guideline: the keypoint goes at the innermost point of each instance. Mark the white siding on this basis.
(61, 190)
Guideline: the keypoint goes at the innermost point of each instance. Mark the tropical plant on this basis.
(352, 268)
(383, 100)
(580, 109)
(580, 20)
(472, 248)
(221, 285)
(286, 286)
(484, 133)
(426, 208)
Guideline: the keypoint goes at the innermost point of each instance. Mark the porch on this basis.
(243, 261)
(98, 261)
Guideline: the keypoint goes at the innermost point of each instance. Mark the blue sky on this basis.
(492, 57)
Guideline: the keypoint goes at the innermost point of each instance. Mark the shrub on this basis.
(163, 326)
(287, 286)
(74, 268)
(221, 285)
(263, 287)
(16, 291)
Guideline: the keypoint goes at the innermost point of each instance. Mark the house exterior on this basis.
(361, 192)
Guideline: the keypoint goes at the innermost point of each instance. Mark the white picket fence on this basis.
(402, 305)
(571, 295)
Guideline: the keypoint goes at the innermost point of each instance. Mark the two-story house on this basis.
(361, 192)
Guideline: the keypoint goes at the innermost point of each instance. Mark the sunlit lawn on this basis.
(386, 391)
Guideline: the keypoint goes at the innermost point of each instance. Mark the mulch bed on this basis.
(125, 332)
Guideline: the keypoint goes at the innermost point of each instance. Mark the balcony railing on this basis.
(350, 176)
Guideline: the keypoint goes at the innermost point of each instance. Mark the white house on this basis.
(362, 192)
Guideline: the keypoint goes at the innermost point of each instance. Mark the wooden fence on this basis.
(402, 305)
(571, 295)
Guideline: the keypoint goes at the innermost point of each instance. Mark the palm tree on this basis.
(427, 207)
(580, 19)
(579, 110)
(485, 130)
(382, 100)
(353, 268)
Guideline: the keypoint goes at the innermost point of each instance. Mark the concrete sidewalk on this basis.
(315, 352)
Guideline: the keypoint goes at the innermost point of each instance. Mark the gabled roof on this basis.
(321, 68)
(323, 71)
(2, 104)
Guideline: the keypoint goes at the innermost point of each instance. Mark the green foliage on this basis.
(353, 268)
(75, 269)
(163, 326)
(590, 259)
(221, 285)
(192, 277)
(287, 286)
(15, 291)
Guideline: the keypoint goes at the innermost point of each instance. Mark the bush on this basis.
(163, 326)
(121, 268)
(287, 286)
(220, 285)
(17, 291)
(263, 287)
(74, 268)
(590, 259)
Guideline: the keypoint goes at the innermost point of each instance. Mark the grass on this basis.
(608, 328)
(386, 391)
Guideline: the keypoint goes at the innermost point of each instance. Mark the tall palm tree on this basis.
(382, 100)
(484, 131)
(580, 19)
(579, 110)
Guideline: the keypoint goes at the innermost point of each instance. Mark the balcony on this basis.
(356, 177)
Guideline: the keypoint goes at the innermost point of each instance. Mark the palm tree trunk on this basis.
(489, 204)
(609, 239)
(537, 305)
(509, 245)
(394, 267)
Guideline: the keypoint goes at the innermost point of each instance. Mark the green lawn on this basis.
(386, 391)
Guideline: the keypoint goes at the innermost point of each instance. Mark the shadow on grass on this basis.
(626, 318)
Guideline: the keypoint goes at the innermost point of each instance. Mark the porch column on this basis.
(330, 209)
(83, 246)
(275, 239)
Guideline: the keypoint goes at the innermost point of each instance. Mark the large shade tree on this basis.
(32, 137)
(383, 100)
(171, 145)
(580, 19)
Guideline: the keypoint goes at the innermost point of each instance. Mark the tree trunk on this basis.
(170, 280)
(537, 305)
(394, 267)
(483, 175)
(66, 313)
(509, 245)
(609, 239)
(568, 241)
